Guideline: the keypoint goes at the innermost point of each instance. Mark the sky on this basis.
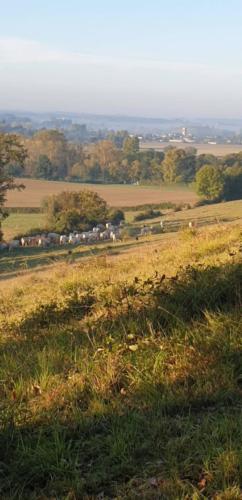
(156, 58)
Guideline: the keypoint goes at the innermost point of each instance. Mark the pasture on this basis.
(120, 371)
(215, 149)
(115, 195)
(20, 223)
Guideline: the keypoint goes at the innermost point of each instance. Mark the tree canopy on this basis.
(210, 182)
(75, 210)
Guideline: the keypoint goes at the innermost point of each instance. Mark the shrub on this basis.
(148, 214)
(116, 216)
(129, 232)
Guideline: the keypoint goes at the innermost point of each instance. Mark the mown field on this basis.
(115, 195)
(215, 149)
(120, 372)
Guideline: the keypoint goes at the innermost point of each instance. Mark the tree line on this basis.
(119, 159)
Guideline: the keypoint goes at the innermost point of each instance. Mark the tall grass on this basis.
(121, 377)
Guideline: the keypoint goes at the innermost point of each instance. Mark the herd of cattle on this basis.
(99, 233)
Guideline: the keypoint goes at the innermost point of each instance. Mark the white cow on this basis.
(115, 236)
(78, 238)
(105, 235)
(191, 224)
(44, 242)
(72, 239)
(92, 237)
(110, 226)
(63, 239)
(29, 241)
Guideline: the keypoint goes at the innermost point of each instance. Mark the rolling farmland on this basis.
(115, 195)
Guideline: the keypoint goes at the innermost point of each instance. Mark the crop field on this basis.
(115, 195)
(120, 372)
(215, 149)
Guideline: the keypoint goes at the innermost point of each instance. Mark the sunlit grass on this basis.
(121, 374)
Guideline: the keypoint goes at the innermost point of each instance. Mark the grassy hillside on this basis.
(121, 375)
(20, 223)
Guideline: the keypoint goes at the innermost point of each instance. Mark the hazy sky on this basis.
(151, 58)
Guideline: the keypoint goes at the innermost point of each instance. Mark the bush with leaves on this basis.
(116, 216)
(69, 211)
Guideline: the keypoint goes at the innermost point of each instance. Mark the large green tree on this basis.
(75, 210)
(12, 152)
(210, 182)
(131, 146)
(233, 183)
(44, 168)
(179, 165)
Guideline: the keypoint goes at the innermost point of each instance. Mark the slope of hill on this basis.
(121, 375)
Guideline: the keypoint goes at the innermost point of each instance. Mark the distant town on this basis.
(88, 128)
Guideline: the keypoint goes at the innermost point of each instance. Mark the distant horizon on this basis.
(120, 115)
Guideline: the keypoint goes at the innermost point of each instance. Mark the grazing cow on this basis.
(92, 237)
(63, 239)
(28, 241)
(110, 226)
(105, 235)
(115, 236)
(145, 231)
(54, 238)
(72, 239)
(78, 238)
(43, 242)
(84, 236)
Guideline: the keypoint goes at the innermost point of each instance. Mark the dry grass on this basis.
(120, 375)
(115, 195)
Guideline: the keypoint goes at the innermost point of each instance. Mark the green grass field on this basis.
(120, 372)
(20, 223)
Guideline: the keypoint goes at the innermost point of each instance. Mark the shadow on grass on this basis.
(166, 303)
(176, 429)
(81, 455)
